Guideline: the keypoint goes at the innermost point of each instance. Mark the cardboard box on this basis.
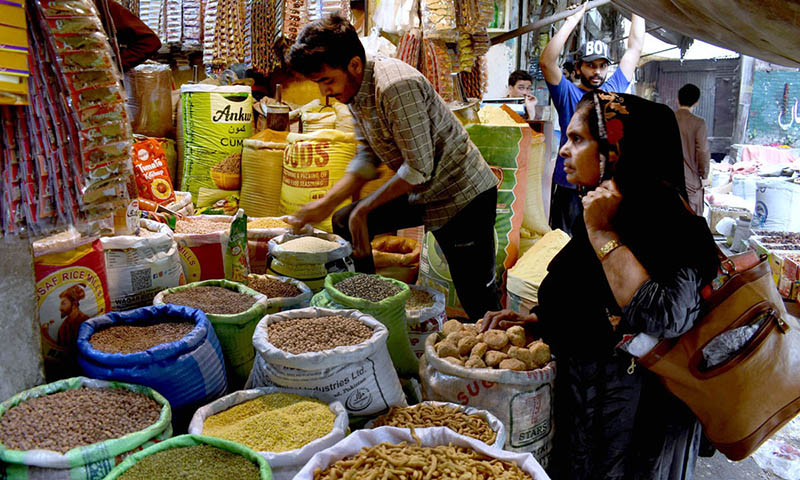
(790, 275)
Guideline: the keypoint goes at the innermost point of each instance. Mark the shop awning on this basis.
(765, 29)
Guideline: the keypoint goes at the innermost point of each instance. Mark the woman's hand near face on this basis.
(600, 207)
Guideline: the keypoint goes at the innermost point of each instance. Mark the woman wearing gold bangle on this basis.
(636, 263)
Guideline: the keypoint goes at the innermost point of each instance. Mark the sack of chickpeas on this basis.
(286, 427)
(78, 428)
(341, 353)
(503, 372)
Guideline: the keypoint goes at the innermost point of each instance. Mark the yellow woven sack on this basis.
(262, 171)
(312, 164)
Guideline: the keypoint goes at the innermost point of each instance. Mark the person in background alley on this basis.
(520, 84)
(592, 62)
(696, 154)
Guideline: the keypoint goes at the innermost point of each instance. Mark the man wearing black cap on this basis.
(591, 63)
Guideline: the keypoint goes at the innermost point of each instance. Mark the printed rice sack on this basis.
(262, 172)
(216, 121)
(360, 376)
(204, 252)
(522, 400)
(390, 311)
(509, 152)
(285, 464)
(312, 164)
(140, 266)
(235, 332)
(188, 372)
(71, 287)
(191, 441)
(91, 462)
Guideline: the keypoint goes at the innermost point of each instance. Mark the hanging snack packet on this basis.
(152, 174)
(237, 265)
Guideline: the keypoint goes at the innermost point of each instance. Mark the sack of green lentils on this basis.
(48, 439)
(206, 457)
(341, 353)
(234, 318)
(425, 314)
(381, 297)
(309, 257)
(283, 293)
(286, 427)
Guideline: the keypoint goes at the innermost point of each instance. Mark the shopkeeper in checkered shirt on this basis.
(440, 181)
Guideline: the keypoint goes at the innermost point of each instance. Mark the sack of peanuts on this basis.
(286, 427)
(312, 164)
(309, 257)
(203, 246)
(35, 443)
(372, 451)
(71, 286)
(139, 266)
(384, 299)
(283, 293)
(337, 352)
(233, 310)
(521, 399)
(470, 422)
(168, 342)
(204, 457)
(425, 314)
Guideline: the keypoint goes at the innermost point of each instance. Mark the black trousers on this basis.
(467, 242)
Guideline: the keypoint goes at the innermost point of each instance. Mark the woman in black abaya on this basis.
(636, 263)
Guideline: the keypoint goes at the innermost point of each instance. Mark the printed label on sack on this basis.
(203, 262)
(354, 384)
(231, 108)
(530, 417)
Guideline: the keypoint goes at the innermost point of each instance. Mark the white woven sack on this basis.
(494, 423)
(424, 321)
(523, 401)
(284, 465)
(361, 376)
(430, 437)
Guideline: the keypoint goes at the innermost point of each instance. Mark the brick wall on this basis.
(767, 104)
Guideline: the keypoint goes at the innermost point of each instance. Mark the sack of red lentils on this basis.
(63, 415)
(286, 427)
(71, 287)
(337, 352)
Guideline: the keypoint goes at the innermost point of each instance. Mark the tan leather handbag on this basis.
(752, 393)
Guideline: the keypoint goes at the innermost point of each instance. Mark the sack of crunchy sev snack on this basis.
(378, 446)
(254, 425)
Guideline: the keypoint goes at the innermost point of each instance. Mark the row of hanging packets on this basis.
(99, 136)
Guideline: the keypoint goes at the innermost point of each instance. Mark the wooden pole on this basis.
(544, 22)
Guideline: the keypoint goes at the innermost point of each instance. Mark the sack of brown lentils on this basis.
(381, 297)
(341, 353)
(295, 423)
(60, 417)
(157, 349)
(208, 458)
(234, 310)
(283, 293)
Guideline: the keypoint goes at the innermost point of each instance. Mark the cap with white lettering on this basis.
(592, 50)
